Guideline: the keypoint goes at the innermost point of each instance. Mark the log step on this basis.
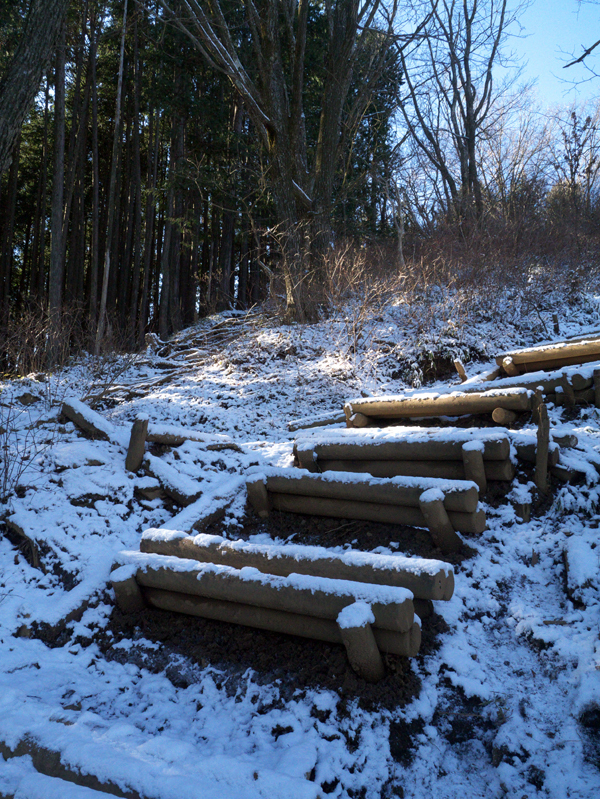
(426, 579)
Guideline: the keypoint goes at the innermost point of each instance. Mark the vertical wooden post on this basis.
(472, 455)
(363, 653)
(432, 507)
(258, 496)
(541, 453)
(137, 443)
(458, 365)
(597, 388)
(568, 391)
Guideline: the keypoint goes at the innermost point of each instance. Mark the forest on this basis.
(183, 157)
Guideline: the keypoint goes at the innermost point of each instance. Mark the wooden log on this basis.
(564, 473)
(588, 350)
(522, 510)
(431, 504)
(358, 420)
(318, 420)
(405, 644)
(258, 496)
(528, 452)
(459, 366)
(541, 459)
(438, 446)
(557, 363)
(565, 440)
(459, 496)
(510, 367)
(473, 523)
(457, 404)
(137, 445)
(503, 417)
(587, 396)
(181, 488)
(580, 382)
(474, 465)
(357, 636)
(597, 388)
(555, 323)
(536, 401)
(91, 423)
(172, 436)
(426, 579)
(448, 470)
(311, 596)
(568, 392)
(127, 593)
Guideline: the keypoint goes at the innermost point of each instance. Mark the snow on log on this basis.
(318, 420)
(401, 443)
(181, 488)
(446, 470)
(173, 436)
(426, 579)
(92, 423)
(297, 593)
(455, 404)
(209, 507)
(459, 495)
(562, 353)
(355, 622)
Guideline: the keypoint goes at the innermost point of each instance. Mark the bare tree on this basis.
(23, 75)
(450, 94)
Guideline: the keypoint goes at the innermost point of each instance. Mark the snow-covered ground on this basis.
(509, 704)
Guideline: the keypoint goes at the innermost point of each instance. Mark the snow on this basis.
(300, 552)
(499, 708)
(359, 614)
(365, 592)
(443, 485)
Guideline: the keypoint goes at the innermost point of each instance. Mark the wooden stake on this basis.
(509, 367)
(363, 653)
(597, 388)
(568, 392)
(137, 445)
(128, 595)
(474, 465)
(458, 365)
(440, 527)
(556, 324)
(258, 496)
(541, 457)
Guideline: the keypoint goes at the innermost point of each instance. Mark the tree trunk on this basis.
(23, 76)
(112, 193)
(56, 277)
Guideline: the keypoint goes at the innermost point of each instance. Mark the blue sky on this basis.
(553, 29)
